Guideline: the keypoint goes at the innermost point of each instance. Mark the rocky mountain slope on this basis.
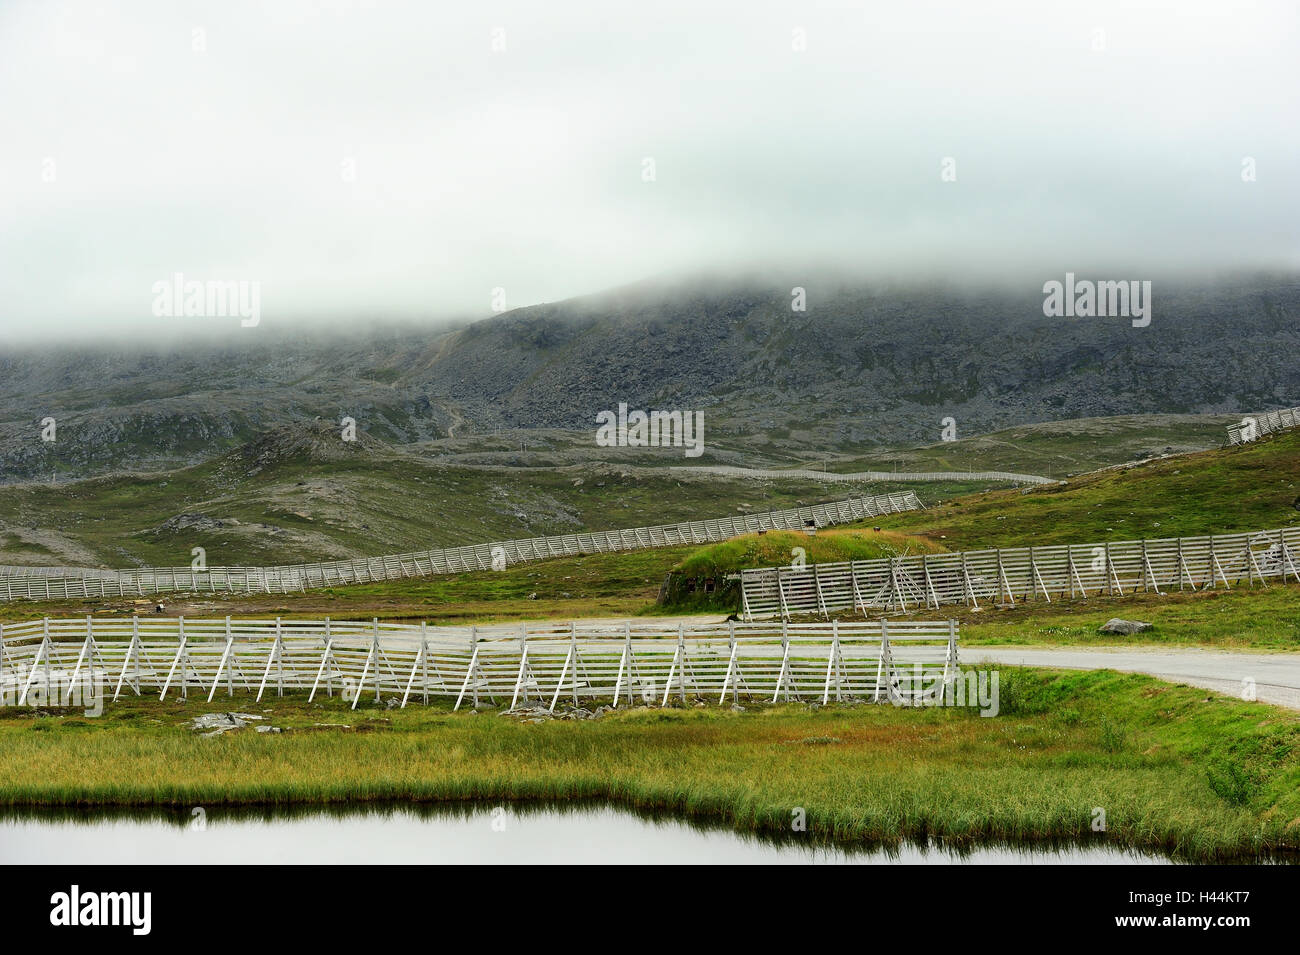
(862, 367)
(300, 493)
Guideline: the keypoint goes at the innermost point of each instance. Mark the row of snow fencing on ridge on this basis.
(1004, 575)
(1250, 428)
(54, 583)
(727, 470)
(52, 660)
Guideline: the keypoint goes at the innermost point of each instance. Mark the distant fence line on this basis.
(1251, 427)
(1004, 575)
(55, 660)
(727, 470)
(52, 583)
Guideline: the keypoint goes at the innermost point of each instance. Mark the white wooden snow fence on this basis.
(55, 583)
(809, 474)
(1250, 428)
(1116, 568)
(636, 661)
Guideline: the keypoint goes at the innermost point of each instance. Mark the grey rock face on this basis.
(1125, 627)
(863, 365)
(219, 723)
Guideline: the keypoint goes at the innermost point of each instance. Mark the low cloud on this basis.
(364, 160)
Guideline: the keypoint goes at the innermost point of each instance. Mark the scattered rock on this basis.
(220, 723)
(191, 522)
(530, 714)
(538, 713)
(268, 729)
(1125, 627)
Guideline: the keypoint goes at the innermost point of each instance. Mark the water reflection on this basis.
(509, 833)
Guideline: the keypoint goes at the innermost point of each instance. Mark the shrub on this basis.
(1019, 693)
(1113, 735)
(1231, 781)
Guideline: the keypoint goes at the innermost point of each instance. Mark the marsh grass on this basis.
(1033, 774)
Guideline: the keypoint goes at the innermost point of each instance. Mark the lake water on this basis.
(503, 835)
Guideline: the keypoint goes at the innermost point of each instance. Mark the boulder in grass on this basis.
(220, 723)
(1125, 627)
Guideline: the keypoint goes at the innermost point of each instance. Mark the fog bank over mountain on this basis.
(370, 160)
(862, 366)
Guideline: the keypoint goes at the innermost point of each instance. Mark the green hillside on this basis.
(1054, 448)
(289, 498)
(1233, 489)
(1224, 490)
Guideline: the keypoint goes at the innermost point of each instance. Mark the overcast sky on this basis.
(364, 159)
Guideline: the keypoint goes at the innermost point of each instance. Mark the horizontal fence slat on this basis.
(1113, 568)
(1252, 426)
(645, 661)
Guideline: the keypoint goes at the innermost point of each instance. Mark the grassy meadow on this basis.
(297, 508)
(1236, 489)
(622, 585)
(1054, 448)
(1175, 769)
(278, 500)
